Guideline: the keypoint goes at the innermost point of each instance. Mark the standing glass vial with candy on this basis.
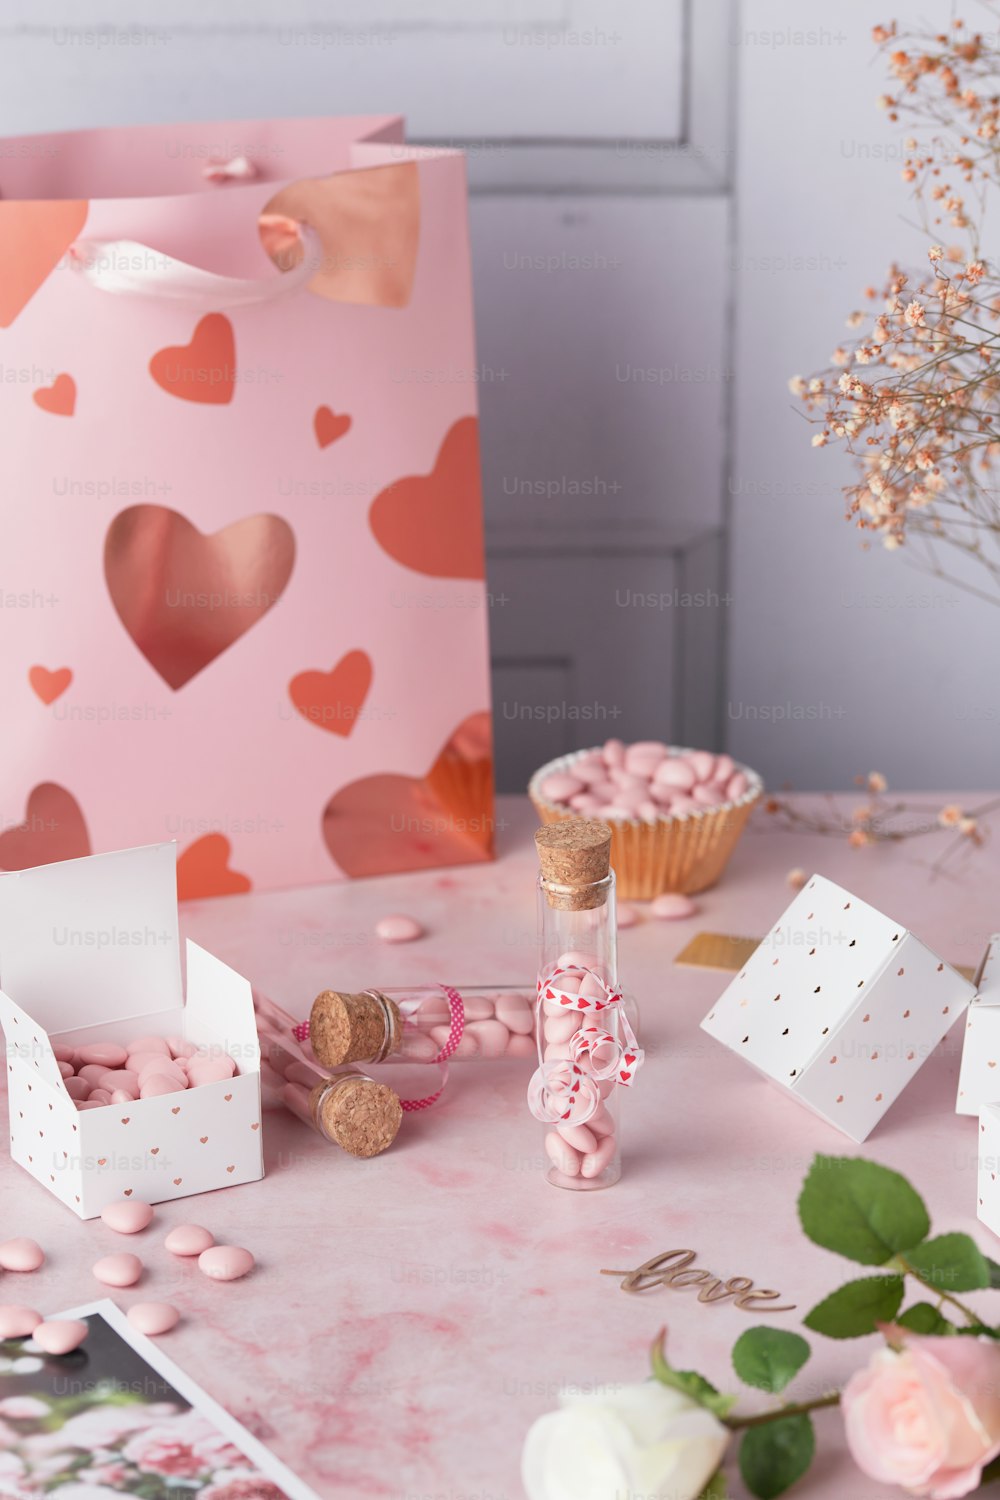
(587, 1051)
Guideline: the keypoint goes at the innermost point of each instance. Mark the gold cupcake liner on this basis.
(687, 853)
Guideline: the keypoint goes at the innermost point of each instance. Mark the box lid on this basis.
(94, 939)
(826, 946)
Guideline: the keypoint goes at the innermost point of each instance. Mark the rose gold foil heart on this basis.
(389, 822)
(183, 597)
(34, 236)
(433, 522)
(368, 225)
(54, 830)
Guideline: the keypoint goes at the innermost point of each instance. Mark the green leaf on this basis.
(950, 1263)
(861, 1210)
(923, 1317)
(715, 1489)
(774, 1455)
(689, 1381)
(768, 1358)
(994, 1271)
(857, 1308)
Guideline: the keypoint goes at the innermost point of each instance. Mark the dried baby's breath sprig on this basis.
(915, 393)
(880, 819)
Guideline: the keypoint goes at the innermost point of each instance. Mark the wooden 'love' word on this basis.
(671, 1269)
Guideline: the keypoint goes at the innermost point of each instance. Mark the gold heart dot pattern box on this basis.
(839, 1006)
(90, 952)
(979, 1078)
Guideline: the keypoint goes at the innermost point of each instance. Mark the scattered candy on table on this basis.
(118, 1270)
(225, 1262)
(672, 905)
(153, 1318)
(127, 1218)
(18, 1322)
(21, 1255)
(398, 929)
(189, 1239)
(60, 1337)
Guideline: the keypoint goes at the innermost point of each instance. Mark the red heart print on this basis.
(625, 1077)
(203, 370)
(54, 830)
(59, 398)
(333, 700)
(433, 522)
(203, 870)
(49, 685)
(328, 427)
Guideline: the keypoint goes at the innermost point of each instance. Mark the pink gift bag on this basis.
(242, 592)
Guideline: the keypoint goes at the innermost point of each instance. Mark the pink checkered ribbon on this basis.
(456, 1017)
(456, 1030)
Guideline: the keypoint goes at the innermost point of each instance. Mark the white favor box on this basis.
(90, 952)
(979, 1077)
(988, 1202)
(839, 1005)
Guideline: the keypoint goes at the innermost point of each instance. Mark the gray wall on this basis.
(674, 206)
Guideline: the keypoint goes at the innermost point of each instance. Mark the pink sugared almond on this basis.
(61, 1336)
(560, 787)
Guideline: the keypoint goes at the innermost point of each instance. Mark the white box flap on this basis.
(989, 974)
(220, 1008)
(92, 939)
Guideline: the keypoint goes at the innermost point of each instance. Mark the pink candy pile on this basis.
(500, 1026)
(104, 1073)
(577, 1150)
(644, 780)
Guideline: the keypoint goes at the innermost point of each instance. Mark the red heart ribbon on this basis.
(561, 1093)
(566, 1090)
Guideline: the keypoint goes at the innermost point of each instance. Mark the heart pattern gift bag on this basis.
(242, 591)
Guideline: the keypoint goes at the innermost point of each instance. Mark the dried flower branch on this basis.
(916, 396)
(881, 820)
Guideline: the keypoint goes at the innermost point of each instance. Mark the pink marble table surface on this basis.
(410, 1316)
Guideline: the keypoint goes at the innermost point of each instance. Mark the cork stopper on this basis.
(575, 856)
(359, 1114)
(344, 1028)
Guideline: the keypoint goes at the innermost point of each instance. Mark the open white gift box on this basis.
(90, 952)
(979, 1077)
(839, 1005)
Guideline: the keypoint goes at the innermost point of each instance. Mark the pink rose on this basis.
(183, 1448)
(926, 1417)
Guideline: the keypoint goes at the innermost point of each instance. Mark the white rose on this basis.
(644, 1441)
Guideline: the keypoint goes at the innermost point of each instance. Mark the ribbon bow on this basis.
(566, 1089)
(561, 1092)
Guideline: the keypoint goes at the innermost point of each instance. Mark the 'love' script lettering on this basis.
(673, 1269)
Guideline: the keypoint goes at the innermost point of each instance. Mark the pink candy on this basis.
(149, 1067)
(585, 1149)
(398, 929)
(644, 782)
